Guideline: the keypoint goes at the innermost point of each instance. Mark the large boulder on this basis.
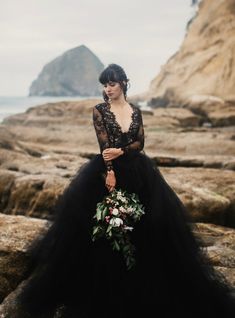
(209, 194)
(17, 232)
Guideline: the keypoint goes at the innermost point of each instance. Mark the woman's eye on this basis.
(110, 84)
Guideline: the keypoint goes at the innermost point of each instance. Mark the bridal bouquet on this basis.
(115, 217)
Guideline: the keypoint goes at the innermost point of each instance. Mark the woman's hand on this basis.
(110, 181)
(111, 153)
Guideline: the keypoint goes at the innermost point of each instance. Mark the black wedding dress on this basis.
(89, 279)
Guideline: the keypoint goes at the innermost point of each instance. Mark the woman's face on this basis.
(113, 90)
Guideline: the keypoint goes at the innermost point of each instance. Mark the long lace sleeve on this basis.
(101, 134)
(138, 144)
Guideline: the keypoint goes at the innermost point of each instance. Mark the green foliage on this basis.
(114, 219)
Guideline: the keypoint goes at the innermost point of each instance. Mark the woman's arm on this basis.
(102, 135)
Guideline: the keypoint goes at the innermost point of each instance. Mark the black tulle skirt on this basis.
(89, 279)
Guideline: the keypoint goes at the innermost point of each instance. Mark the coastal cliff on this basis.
(203, 69)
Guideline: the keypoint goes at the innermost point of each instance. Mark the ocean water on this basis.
(10, 105)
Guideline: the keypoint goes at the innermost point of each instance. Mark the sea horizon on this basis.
(11, 105)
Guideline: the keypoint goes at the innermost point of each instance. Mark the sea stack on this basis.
(74, 73)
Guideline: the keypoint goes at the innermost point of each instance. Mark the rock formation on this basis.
(74, 73)
(203, 70)
(17, 232)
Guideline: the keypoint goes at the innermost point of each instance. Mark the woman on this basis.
(90, 279)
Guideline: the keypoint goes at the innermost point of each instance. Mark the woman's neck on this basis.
(118, 103)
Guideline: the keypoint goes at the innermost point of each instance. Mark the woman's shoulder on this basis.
(134, 105)
(102, 106)
(136, 108)
(99, 106)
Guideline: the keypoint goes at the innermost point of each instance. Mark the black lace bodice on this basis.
(109, 132)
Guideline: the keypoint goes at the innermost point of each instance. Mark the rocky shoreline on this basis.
(43, 148)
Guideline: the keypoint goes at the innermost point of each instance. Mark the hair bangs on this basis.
(108, 75)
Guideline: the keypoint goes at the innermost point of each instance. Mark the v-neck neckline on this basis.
(114, 118)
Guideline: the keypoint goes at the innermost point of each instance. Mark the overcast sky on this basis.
(140, 35)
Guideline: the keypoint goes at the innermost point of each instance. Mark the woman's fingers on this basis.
(110, 187)
(110, 154)
(109, 157)
(110, 151)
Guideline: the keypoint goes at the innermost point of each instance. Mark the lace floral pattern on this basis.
(109, 132)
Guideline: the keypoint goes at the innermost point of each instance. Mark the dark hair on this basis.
(114, 73)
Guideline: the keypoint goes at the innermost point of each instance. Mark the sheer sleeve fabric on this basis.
(101, 134)
(138, 144)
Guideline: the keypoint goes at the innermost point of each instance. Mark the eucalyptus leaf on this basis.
(98, 214)
(95, 230)
(104, 213)
(117, 247)
(109, 228)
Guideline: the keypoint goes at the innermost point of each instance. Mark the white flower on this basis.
(120, 196)
(122, 209)
(129, 210)
(116, 222)
(115, 212)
